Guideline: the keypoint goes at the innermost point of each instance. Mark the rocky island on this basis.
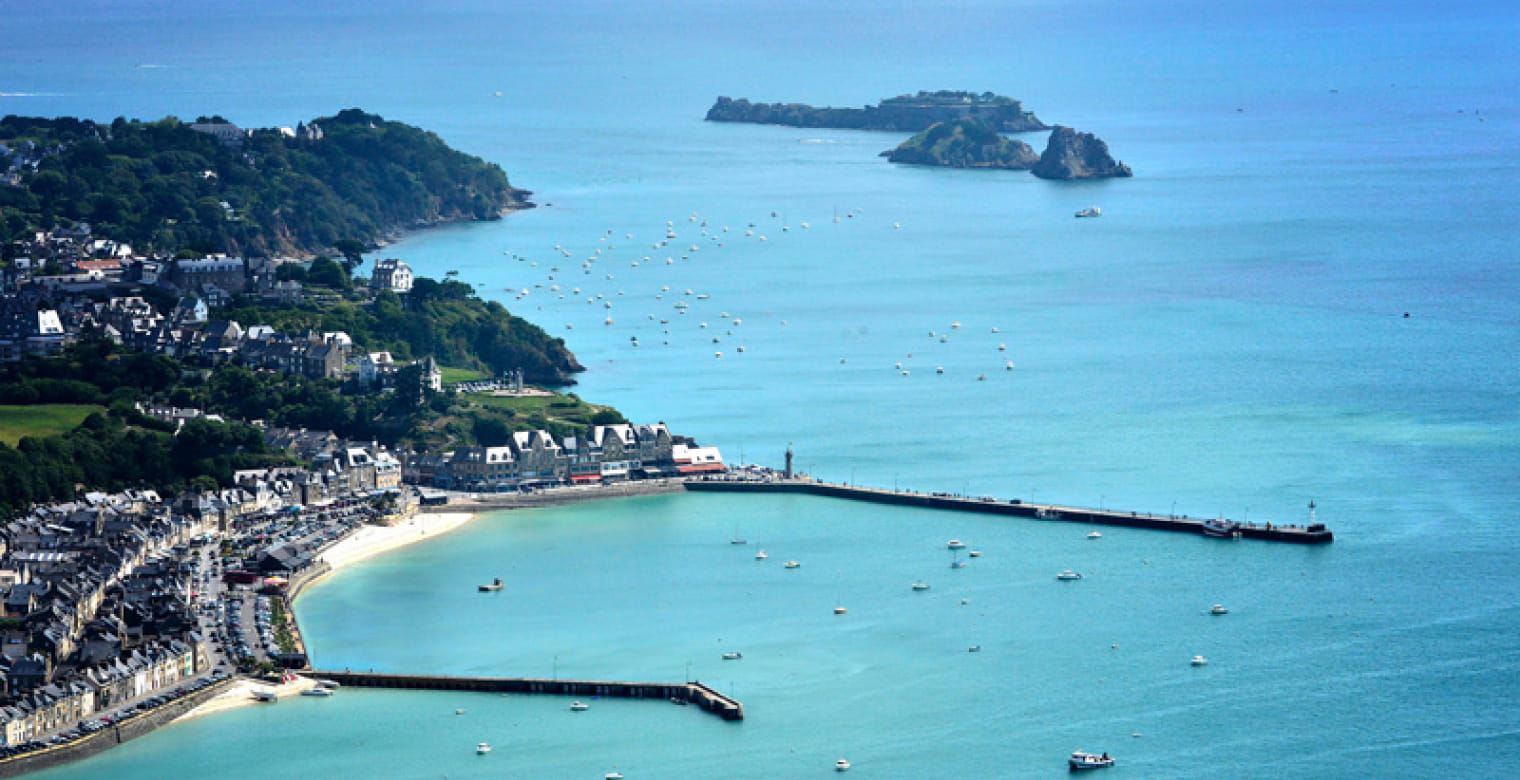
(1074, 155)
(964, 143)
(909, 113)
(953, 129)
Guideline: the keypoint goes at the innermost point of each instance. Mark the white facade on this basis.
(392, 275)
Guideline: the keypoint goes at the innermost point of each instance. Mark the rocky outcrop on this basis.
(964, 143)
(907, 113)
(1074, 155)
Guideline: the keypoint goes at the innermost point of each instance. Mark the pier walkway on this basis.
(1312, 534)
(681, 693)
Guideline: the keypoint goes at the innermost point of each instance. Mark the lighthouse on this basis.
(788, 473)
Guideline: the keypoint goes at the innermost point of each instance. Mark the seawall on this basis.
(690, 693)
(1014, 508)
(471, 502)
(105, 739)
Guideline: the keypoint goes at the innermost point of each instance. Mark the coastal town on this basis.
(128, 608)
(116, 604)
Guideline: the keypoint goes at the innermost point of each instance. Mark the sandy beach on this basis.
(371, 540)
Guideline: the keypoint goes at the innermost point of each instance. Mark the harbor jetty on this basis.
(1312, 533)
(694, 693)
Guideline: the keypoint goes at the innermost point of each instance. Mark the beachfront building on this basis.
(697, 460)
(484, 469)
(534, 459)
(620, 452)
(540, 459)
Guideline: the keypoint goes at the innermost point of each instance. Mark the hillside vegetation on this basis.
(443, 319)
(162, 186)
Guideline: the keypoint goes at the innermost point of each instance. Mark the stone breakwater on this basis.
(1314, 534)
(695, 693)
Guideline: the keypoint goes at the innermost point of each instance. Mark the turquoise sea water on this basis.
(1227, 338)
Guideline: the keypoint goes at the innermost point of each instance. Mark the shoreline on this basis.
(373, 540)
(363, 544)
(556, 496)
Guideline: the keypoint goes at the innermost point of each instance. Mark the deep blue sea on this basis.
(1229, 337)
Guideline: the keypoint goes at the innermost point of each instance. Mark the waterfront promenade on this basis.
(1312, 534)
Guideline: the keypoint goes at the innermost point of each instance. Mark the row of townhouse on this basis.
(87, 581)
(52, 706)
(533, 459)
(97, 593)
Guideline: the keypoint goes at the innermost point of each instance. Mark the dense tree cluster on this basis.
(105, 453)
(162, 186)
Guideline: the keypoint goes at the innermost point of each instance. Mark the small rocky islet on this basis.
(953, 129)
(964, 143)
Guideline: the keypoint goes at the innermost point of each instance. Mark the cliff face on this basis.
(963, 143)
(907, 113)
(1074, 155)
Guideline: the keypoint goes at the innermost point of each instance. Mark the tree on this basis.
(410, 390)
(204, 483)
(325, 272)
(352, 251)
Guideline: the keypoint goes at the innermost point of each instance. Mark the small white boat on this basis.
(791, 564)
(482, 748)
(459, 712)
(496, 585)
(760, 556)
(956, 544)
(920, 585)
(579, 706)
(1095, 535)
(1081, 760)
(613, 776)
(974, 649)
(1220, 528)
(1218, 609)
(1199, 660)
(267, 695)
(840, 610)
(1068, 575)
(841, 765)
(975, 553)
(732, 656)
(318, 691)
(737, 540)
(1090, 211)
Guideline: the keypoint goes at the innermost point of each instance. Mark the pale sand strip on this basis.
(240, 694)
(371, 540)
(367, 542)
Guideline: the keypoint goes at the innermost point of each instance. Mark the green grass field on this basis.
(41, 420)
(560, 408)
(453, 376)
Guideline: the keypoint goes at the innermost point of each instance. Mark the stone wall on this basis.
(106, 739)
